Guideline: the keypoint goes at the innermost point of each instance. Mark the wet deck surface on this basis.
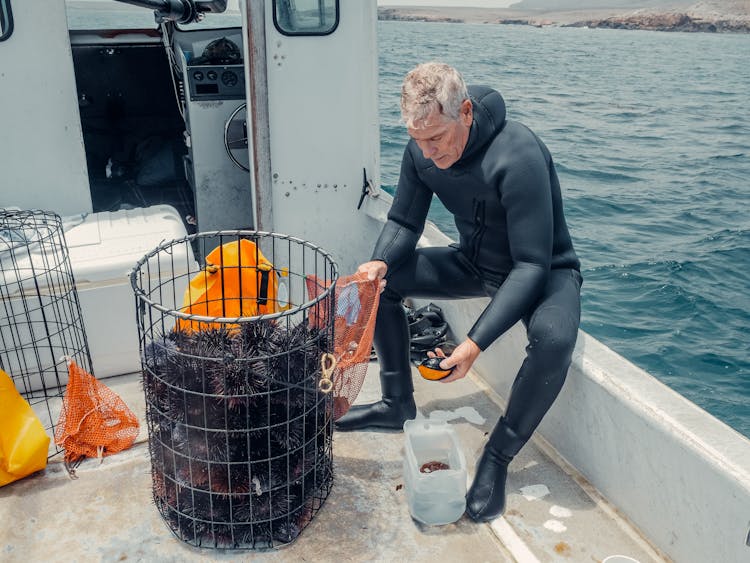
(107, 513)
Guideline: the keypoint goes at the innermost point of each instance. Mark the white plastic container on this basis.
(103, 248)
(437, 497)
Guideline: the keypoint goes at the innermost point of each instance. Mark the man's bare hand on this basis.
(461, 360)
(376, 270)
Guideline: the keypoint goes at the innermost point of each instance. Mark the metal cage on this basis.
(40, 316)
(240, 424)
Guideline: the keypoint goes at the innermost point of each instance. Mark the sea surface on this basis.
(650, 132)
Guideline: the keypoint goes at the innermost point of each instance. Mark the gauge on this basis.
(229, 78)
(198, 75)
(211, 74)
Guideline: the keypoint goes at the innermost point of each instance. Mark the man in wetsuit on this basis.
(498, 180)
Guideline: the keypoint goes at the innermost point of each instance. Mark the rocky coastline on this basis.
(703, 17)
(668, 22)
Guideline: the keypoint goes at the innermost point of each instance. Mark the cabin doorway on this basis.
(133, 132)
(157, 104)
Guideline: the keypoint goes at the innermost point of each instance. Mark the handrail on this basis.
(6, 20)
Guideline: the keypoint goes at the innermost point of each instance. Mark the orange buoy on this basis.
(430, 369)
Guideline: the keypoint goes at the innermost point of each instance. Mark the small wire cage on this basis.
(240, 426)
(40, 318)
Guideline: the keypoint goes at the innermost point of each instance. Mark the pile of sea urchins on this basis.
(239, 434)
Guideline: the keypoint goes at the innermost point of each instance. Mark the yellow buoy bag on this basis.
(23, 441)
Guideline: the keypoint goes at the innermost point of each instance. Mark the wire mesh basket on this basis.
(40, 317)
(235, 371)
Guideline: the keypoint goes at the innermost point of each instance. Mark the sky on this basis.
(467, 3)
(232, 4)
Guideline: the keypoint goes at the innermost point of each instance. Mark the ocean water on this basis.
(650, 133)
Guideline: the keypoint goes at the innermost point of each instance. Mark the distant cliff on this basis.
(657, 15)
(622, 5)
(669, 21)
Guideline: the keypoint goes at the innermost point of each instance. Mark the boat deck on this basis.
(107, 513)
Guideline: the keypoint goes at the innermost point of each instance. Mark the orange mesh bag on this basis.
(94, 421)
(357, 300)
(237, 281)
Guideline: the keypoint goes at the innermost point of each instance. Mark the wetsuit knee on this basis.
(396, 280)
(552, 335)
(389, 295)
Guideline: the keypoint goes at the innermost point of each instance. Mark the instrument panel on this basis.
(216, 82)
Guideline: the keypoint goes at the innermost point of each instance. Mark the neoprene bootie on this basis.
(396, 407)
(485, 500)
(391, 341)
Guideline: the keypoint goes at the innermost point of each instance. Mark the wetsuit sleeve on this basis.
(526, 196)
(406, 218)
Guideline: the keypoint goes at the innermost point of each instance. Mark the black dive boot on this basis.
(485, 500)
(392, 345)
(396, 407)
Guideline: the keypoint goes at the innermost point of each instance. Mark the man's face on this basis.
(442, 139)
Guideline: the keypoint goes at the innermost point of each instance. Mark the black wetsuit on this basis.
(513, 245)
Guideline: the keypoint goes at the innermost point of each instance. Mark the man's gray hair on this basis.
(431, 86)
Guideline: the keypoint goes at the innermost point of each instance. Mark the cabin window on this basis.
(306, 17)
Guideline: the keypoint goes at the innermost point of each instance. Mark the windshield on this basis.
(109, 14)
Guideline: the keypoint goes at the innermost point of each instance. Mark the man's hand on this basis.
(460, 360)
(376, 270)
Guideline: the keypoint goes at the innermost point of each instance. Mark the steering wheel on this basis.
(235, 138)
